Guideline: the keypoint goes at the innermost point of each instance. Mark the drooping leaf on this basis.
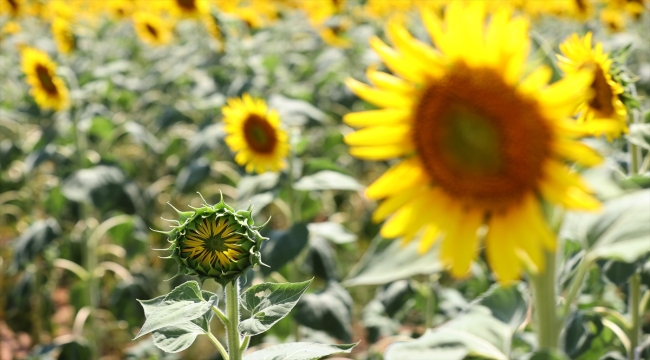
(192, 174)
(34, 240)
(320, 260)
(299, 351)
(387, 261)
(640, 135)
(580, 331)
(268, 303)
(327, 180)
(283, 246)
(181, 305)
(332, 231)
(329, 311)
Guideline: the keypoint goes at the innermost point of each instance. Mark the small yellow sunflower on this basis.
(604, 114)
(190, 8)
(10, 28)
(13, 8)
(120, 9)
(48, 90)
(254, 134)
(63, 35)
(482, 142)
(151, 29)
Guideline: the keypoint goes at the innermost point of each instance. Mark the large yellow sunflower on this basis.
(482, 141)
(254, 134)
(48, 90)
(151, 29)
(605, 113)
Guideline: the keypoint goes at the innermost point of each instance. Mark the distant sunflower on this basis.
(151, 29)
(190, 8)
(481, 142)
(13, 8)
(63, 35)
(48, 90)
(120, 9)
(254, 134)
(605, 113)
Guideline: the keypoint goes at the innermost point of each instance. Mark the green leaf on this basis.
(327, 180)
(580, 331)
(34, 241)
(299, 351)
(192, 174)
(329, 311)
(283, 246)
(387, 261)
(620, 231)
(320, 260)
(640, 135)
(332, 231)
(485, 329)
(106, 187)
(548, 355)
(268, 303)
(173, 339)
(181, 305)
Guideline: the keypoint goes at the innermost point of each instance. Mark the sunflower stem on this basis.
(232, 311)
(222, 350)
(574, 288)
(544, 303)
(635, 314)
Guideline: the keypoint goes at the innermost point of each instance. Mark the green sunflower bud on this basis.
(215, 242)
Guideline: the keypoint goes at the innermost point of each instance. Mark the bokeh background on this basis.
(80, 188)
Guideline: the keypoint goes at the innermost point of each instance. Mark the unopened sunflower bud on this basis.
(215, 242)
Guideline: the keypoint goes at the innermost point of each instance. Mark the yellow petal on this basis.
(460, 245)
(393, 203)
(429, 237)
(500, 251)
(380, 135)
(397, 63)
(407, 174)
(377, 117)
(388, 82)
(577, 152)
(381, 98)
(380, 152)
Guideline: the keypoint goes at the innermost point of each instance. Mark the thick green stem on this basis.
(635, 315)
(232, 312)
(548, 330)
(222, 350)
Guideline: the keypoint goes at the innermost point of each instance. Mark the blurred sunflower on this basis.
(190, 8)
(604, 114)
(120, 9)
(151, 29)
(10, 28)
(254, 134)
(63, 35)
(212, 26)
(13, 8)
(48, 90)
(482, 143)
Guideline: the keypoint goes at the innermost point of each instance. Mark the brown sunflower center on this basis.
(152, 30)
(602, 100)
(14, 6)
(479, 140)
(45, 78)
(259, 134)
(186, 4)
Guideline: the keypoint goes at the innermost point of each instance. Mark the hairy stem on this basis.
(544, 301)
(232, 311)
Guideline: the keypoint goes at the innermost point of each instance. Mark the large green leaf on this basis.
(327, 180)
(620, 231)
(180, 306)
(283, 246)
(332, 231)
(299, 351)
(268, 303)
(329, 311)
(388, 260)
(485, 330)
(34, 241)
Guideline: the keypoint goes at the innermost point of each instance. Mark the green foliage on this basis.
(268, 303)
(299, 351)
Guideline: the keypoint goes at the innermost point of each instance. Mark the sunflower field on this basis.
(336, 179)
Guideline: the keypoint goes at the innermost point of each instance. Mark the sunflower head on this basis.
(481, 139)
(151, 29)
(63, 36)
(254, 134)
(215, 242)
(14, 8)
(48, 90)
(604, 113)
(189, 8)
